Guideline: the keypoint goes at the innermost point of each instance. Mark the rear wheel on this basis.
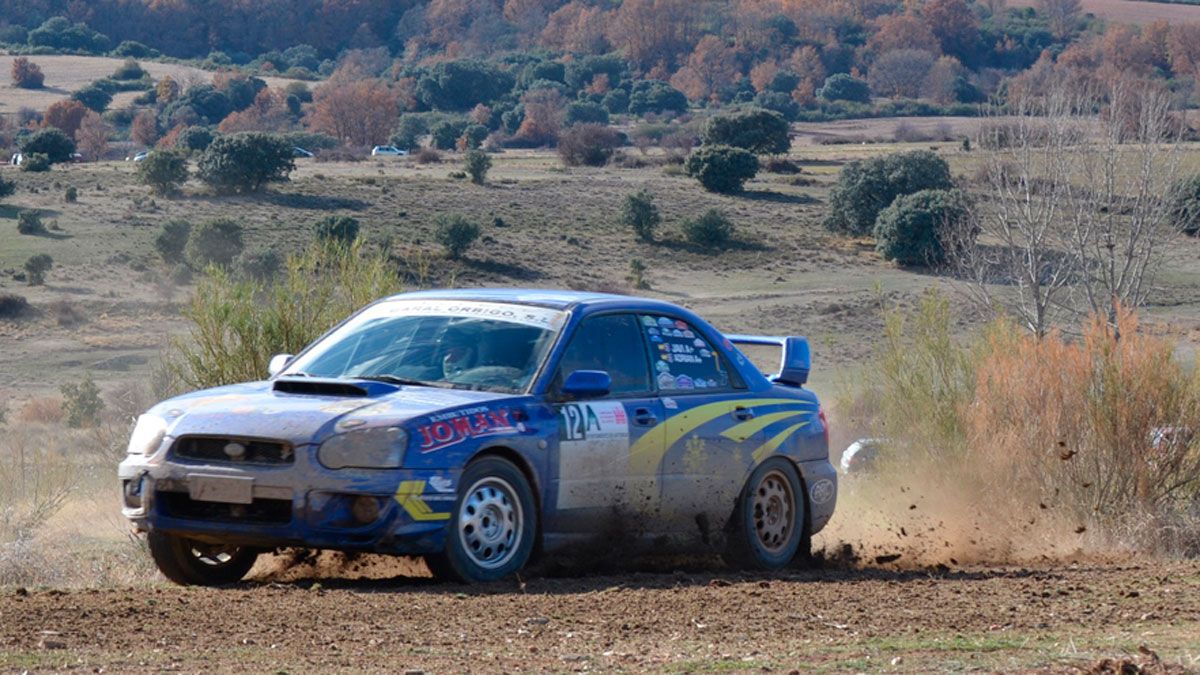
(768, 522)
(493, 525)
(189, 562)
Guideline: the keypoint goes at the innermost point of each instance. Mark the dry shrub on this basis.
(42, 410)
(428, 156)
(1089, 442)
(66, 313)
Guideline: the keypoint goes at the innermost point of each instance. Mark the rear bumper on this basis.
(821, 484)
(401, 511)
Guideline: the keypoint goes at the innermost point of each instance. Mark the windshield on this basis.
(443, 343)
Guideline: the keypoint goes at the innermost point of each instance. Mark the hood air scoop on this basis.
(319, 387)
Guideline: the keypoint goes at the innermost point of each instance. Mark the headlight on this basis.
(147, 435)
(378, 448)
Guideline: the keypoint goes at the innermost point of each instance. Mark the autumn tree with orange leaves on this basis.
(65, 115)
(359, 113)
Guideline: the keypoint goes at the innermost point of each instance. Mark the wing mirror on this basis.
(277, 364)
(583, 384)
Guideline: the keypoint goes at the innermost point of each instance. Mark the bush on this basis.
(36, 268)
(12, 305)
(588, 145)
(713, 230)
(134, 50)
(921, 228)
(339, 229)
(640, 214)
(843, 87)
(477, 164)
(866, 187)
(585, 112)
(656, 96)
(721, 168)
(165, 171)
(172, 240)
(82, 403)
(456, 234)
(194, 139)
(1185, 206)
(30, 222)
(94, 97)
(236, 326)
(7, 187)
(616, 101)
(245, 161)
(779, 102)
(130, 70)
(52, 142)
(762, 132)
(445, 134)
(26, 74)
(36, 162)
(260, 264)
(216, 242)
(71, 195)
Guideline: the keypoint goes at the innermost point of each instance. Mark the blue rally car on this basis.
(477, 427)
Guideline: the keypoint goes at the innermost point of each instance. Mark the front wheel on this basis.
(769, 519)
(492, 527)
(192, 563)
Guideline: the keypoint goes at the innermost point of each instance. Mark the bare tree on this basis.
(1062, 15)
(1075, 214)
(93, 136)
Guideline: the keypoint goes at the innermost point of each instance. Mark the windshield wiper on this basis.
(392, 379)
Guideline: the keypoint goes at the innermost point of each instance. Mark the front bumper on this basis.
(400, 511)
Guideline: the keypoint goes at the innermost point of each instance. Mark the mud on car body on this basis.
(475, 427)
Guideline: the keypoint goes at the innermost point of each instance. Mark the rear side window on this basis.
(612, 343)
(683, 360)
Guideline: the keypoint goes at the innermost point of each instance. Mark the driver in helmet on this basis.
(458, 353)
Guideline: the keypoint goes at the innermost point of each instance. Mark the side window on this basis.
(612, 343)
(683, 360)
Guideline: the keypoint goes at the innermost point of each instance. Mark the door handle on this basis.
(644, 417)
(742, 414)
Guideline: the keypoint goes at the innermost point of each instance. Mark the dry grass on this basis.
(42, 410)
(1132, 11)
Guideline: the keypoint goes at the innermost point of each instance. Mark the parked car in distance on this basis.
(387, 151)
(17, 159)
(140, 157)
(473, 427)
(861, 455)
(301, 152)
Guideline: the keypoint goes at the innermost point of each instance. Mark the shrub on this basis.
(616, 101)
(36, 268)
(165, 171)
(7, 187)
(843, 87)
(52, 142)
(445, 134)
(130, 70)
(245, 161)
(921, 228)
(194, 139)
(82, 403)
(428, 156)
(1185, 206)
(456, 234)
(866, 187)
(640, 214)
(721, 168)
(762, 132)
(71, 195)
(30, 222)
(260, 264)
(172, 240)
(656, 96)
(94, 97)
(134, 49)
(585, 112)
(236, 326)
(338, 229)
(12, 305)
(637, 275)
(477, 164)
(713, 230)
(588, 145)
(472, 137)
(779, 102)
(36, 162)
(215, 242)
(26, 74)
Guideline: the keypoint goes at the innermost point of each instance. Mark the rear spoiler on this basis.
(795, 362)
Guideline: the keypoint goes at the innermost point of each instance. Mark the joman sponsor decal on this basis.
(452, 428)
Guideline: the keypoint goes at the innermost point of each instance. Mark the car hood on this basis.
(260, 410)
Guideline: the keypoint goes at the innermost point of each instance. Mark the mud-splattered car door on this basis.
(711, 430)
(594, 490)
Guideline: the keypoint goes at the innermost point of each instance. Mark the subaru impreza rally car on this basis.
(476, 427)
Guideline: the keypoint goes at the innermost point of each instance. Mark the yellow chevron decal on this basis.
(408, 495)
(746, 429)
(647, 454)
(776, 441)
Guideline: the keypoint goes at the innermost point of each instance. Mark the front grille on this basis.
(180, 505)
(213, 449)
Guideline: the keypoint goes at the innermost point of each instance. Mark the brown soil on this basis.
(1058, 617)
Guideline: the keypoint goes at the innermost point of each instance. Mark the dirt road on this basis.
(1057, 617)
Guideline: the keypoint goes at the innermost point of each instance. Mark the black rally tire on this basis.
(769, 521)
(191, 563)
(493, 526)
